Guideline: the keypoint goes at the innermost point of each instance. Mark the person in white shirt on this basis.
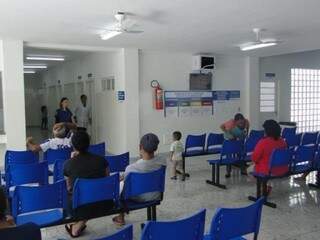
(83, 113)
(60, 138)
(176, 151)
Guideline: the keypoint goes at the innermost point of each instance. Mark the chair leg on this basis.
(149, 214)
(213, 175)
(184, 174)
(262, 185)
(216, 181)
(154, 213)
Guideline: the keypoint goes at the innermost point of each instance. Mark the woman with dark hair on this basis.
(64, 114)
(84, 165)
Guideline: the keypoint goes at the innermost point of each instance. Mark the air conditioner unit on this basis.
(202, 62)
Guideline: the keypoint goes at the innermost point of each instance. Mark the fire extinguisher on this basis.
(158, 95)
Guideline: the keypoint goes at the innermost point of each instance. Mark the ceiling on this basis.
(204, 26)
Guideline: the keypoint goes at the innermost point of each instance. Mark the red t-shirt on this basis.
(262, 152)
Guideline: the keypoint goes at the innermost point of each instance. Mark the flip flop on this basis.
(117, 222)
(69, 230)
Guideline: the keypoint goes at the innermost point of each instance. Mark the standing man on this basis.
(236, 128)
(83, 114)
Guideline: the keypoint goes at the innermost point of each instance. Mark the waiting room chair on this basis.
(125, 233)
(249, 146)
(230, 154)
(51, 155)
(23, 232)
(189, 228)
(309, 138)
(98, 149)
(288, 132)
(58, 170)
(118, 163)
(234, 223)
(293, 141)
(214, 143)
(303, 159)
(256, 134)
(42, 205)
(195, 145)
(136, 184)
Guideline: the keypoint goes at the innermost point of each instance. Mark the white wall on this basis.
(172, 71)
(281, 66)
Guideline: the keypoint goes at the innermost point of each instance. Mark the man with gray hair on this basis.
(60, 139)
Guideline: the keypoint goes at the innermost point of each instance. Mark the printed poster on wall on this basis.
(227, 102)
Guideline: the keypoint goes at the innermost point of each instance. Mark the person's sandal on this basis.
(69, 230)
(118, 222)
(174, 178)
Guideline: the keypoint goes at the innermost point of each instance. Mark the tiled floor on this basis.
(296, 218)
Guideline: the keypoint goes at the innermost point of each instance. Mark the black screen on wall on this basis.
(200, 81)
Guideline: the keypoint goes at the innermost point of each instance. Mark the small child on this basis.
(176, 151)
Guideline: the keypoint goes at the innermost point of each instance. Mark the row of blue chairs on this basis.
(227, 223)
(46, 205)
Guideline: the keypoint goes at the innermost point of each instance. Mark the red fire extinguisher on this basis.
(158, 95)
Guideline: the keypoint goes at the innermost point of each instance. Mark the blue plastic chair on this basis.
(230, 154)
(288, 132)
(19, 174)
(303, 160)
(280, 158)
(23, 232)
(256, 134)
(42, 205)
(293, 141)
(51, 155)
(189, 228)
(214, 143)
(309, 138)
(136, 184)
(249, 146)
(87, 191)
(118, 163)
(58, 170)
(98, 149)
(233, 223)
(195, 145)
(125, 233)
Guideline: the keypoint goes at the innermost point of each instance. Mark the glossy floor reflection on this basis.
(297, 216)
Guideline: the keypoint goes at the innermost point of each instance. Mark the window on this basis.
(305, 99)
(267, 96)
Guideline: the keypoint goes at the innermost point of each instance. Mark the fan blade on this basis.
(133, 31)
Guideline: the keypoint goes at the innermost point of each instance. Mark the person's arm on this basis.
(223, 127)
(33, 146)
(66, 173)
(247, 126)
(69, 184)
(257, 152)
(172, 147)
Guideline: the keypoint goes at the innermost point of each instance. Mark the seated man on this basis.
(148, 163)
(60, 139)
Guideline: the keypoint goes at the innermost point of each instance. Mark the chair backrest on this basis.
(189, 228)
(309, 138)
(250, 143)
(125, 233)
(20, 157)
(229, 223)
(98, 149)
(214, 139)
(293, 140)
(287, 132)
(18, 174)
(94, 190)
(280, 158)
(304, 154)
(195, 142)
(118, 163)
(139, 183)
(256, 134)
(58, 170)
(51, 155)
(22, 232)
(36, 198)
(231, 147)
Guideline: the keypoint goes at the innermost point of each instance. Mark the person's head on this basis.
(59, 131)
(240, 120)
(64, 103)
(176, 135)
(3, 204)
(272, 129)
(148, 145)
(43, 108)
(80, 141)
(83, 99)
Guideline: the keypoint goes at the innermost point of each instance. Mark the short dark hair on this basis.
(149, 142)
(80, 141)
(238, 117)
(177, 135)
(82, 96)
(272, 129)
(3, 203)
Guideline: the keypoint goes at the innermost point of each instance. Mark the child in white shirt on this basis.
(176, 151)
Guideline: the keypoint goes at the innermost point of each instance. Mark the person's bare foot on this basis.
(119, 220)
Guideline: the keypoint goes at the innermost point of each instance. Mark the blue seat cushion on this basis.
(224, 161)
(133, 205)
(208, 237)
(192, 153)
(41, 218)
(302, 168)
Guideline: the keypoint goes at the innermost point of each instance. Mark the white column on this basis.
(13, 94)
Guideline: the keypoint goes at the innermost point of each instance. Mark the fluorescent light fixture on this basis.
(35, 66)
(109, 34)
(257, 45)
(43, 58)
(29, 71)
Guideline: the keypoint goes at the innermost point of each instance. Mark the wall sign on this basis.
(120, 95)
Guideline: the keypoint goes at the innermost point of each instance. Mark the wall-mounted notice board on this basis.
(226, 103)
(188, 103)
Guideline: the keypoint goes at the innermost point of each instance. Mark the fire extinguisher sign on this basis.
(121, 96)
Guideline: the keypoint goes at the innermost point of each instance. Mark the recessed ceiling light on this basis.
(29, 71)
(43, 58)
(258, 45)
(35, 66)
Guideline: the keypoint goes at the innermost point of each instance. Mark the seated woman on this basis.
(263, 150)
(148, 163)
(84, 165)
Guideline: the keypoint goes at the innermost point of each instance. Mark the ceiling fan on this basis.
(122, 25)
(259, 43)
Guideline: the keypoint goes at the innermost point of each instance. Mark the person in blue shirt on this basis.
(64, 114)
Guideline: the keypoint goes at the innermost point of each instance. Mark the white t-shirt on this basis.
(83, 114)
(56, 143)
(177, 148)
